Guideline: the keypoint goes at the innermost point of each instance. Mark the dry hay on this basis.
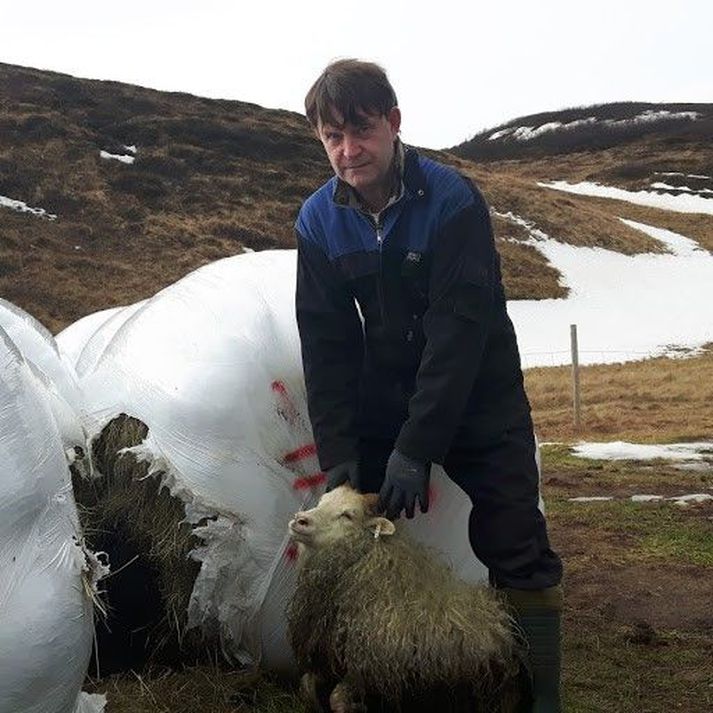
(128, 514)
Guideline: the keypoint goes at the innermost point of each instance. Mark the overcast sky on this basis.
(457, 66)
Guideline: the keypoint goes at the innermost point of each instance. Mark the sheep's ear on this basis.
(380, 526)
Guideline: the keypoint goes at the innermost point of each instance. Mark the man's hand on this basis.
(406, 479)
(343, 473)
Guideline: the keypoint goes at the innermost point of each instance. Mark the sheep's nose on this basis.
(302, 519)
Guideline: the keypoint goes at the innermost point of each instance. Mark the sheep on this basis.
(378, 623)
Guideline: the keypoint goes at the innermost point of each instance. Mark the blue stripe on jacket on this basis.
(434, 194)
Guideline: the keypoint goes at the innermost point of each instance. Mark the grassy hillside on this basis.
(213, 177)
(592, 128)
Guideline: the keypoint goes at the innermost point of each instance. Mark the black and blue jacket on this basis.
(403, 325)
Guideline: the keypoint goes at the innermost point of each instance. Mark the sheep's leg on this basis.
(344, 699)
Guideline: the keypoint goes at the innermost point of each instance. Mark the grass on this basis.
(653, 401)
(638, 629)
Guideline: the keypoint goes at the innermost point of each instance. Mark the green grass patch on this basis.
(606, 669)
(655, 530)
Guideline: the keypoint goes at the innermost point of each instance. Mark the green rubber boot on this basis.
(537, 613)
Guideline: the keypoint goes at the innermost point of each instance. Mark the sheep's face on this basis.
(338, 514)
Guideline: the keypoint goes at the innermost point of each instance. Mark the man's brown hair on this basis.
(351, 88)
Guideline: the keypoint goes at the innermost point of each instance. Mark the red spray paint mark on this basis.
(301, 453)
(291, 552)
(279, 387)
(287, 408)
(309, 481)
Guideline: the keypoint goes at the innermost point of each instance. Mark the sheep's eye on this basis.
(346, 514)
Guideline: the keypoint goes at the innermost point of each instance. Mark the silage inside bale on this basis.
(130, 515)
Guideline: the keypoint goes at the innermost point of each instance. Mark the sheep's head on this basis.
(339, 513)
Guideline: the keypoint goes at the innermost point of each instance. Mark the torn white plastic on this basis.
(47, 579)
(212, 366)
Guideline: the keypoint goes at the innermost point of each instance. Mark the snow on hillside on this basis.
(122, 158)
(667, 201)
(527, 133)
(22, 207)
(625, 307)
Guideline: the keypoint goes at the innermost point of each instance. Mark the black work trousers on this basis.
(507, 531)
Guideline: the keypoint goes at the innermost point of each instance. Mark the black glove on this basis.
(343, 473)
(406, 479)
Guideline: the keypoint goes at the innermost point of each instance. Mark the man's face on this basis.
(361, 154)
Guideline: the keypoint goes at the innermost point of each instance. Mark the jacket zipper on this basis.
(380, 285)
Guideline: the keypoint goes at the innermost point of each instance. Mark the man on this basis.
(409, 355)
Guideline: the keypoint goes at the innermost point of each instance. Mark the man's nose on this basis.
(351, 146)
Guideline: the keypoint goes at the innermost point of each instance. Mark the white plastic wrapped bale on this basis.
(83, 342)
(41, 353)
(38, 346)
(71, 340)
(46, 576)
(212, 366)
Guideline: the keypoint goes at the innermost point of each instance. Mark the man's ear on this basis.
(394, 119)
(380, 526)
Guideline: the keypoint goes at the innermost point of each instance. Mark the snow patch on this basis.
(621, 450)
(665, 201)
(677, 244)
(685, 189)
(695, 499)
(22, 207)
(626, 307)
(685, 175)
(123, 158)
(527, 133)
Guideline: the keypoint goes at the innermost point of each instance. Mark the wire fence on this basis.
(563, 357)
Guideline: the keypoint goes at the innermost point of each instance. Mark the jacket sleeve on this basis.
(462, 289)
(331, 337)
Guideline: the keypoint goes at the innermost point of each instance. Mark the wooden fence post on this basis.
(575, 375)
